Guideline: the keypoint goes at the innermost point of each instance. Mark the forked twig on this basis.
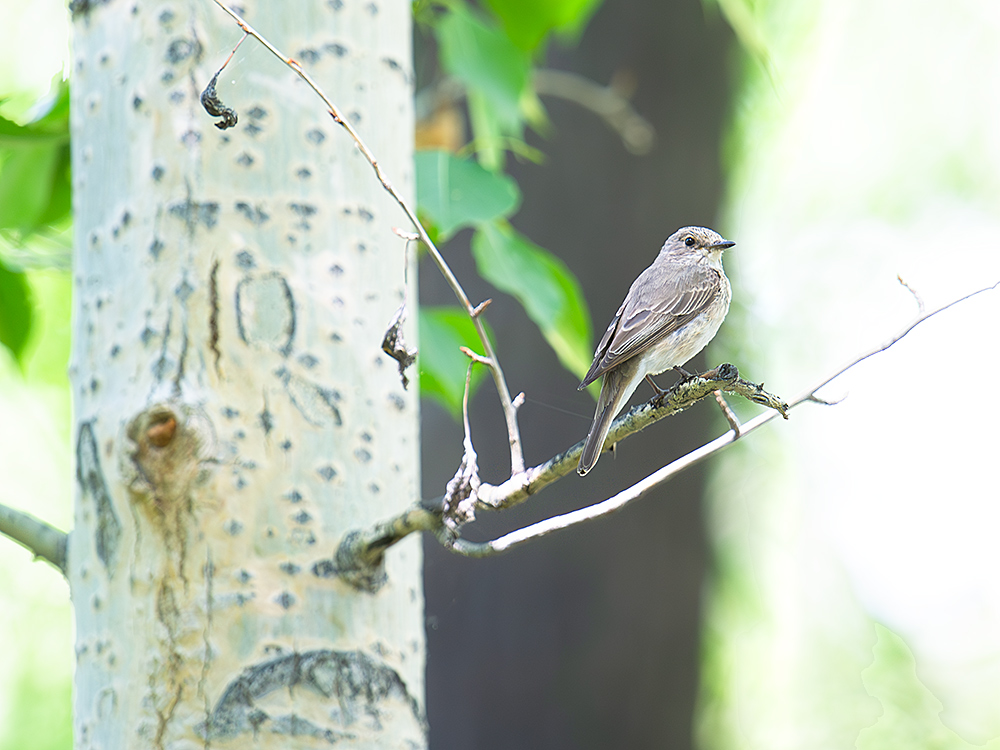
(919, 300)
(810, 395)
(509, 410)
(734, 422)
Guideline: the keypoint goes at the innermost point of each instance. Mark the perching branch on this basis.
(510, 411)
(679, 397)
(519, 487)
(38, 537)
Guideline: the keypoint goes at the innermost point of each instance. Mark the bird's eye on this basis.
(689, 242)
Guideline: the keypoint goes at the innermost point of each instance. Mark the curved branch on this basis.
(447, 525)
(610, 103)
(679, 397)
(42, 540)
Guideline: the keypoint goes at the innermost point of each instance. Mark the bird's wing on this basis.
(650, 313)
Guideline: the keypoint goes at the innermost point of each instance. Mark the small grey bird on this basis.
(670, 314)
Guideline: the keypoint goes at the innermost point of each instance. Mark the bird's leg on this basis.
(685, 375)
(659, 393)
(734, 423)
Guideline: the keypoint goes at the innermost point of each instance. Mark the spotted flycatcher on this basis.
(670, 314)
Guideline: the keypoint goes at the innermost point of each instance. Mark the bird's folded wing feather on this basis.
(651, 313)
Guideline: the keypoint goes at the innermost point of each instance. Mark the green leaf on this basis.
(488, 131)
(487, 62)
(60, 202)
(528, 21)
(46, 355)
(50, 127)
(15, 311)
(457, 193)
(27, 177)
(35, 188)
(544, 286)
(442, 366)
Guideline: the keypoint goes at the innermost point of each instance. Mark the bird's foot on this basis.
(685, 375)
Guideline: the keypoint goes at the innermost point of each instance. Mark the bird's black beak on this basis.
(724, 245)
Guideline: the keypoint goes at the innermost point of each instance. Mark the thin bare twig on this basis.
(360, 557)
(403, 234)
(480, 307)
(39, 538)
(734, 422)
(510, 413)
(475, 358)
(920, 302)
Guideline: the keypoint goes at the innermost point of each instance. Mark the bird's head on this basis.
(697, 241)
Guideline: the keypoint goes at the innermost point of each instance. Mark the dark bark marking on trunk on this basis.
(213, 317)
(362, 689)
(316, 404)
(108, 529)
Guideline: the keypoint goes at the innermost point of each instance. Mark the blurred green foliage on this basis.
(15, 311)
(494, 71)
(35, 170)
(491, 55)
(911, 713)
(529, 22)
(35, 193)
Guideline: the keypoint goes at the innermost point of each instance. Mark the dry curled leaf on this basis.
(214, 106)
(394, 345)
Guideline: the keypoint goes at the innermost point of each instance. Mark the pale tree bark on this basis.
(234, 414)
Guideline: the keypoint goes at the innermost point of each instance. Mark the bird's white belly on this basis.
(681, 345)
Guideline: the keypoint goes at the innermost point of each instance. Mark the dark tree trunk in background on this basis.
(589, 638)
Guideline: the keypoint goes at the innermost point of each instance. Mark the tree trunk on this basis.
(234, 414)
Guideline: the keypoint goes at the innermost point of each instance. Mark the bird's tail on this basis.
(614, 393)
